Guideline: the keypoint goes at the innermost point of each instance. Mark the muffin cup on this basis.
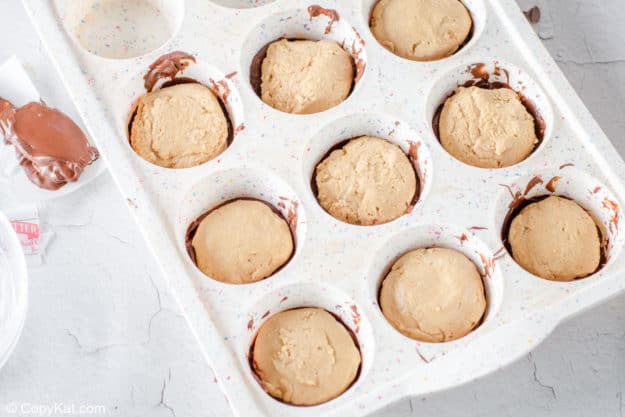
(476, 8)
(571, 183)
(328, 298)
(222, 187)
(493, 74)
(339, 132)
(98, 26)
(460, 239)
(311, 23)
(199, 72)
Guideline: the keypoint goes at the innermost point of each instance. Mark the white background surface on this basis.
(103, 329)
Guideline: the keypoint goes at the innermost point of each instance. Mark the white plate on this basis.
(13, 289)
(15, 187)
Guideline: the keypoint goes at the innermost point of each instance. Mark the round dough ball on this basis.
(421, 30)
(433, 295)
(487, 128)
(241, 242)
(179, 126)
(368, 181)
(304, 77)
(555, 239)
(305, 356)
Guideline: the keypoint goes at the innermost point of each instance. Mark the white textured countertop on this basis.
(103, 330)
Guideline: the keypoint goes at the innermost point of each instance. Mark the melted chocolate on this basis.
(412, 156)
(50, 147)
(7, 117)
(481, 79)
(316, 10)
(551, 185)
(192, 229)
(167, 66)
(359, 62)
(533, 14)
(256, 72)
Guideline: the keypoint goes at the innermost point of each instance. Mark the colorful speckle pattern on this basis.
(338, 266)
(121, 29)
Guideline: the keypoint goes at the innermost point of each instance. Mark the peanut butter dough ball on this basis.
(555, 239)
(433, 295)
(303, 77)
(241, 242)
(368, 181)
(487, 128)
(305, 356)
(421, 30)
(179, 126)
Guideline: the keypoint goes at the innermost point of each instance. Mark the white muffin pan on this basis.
(339, 266)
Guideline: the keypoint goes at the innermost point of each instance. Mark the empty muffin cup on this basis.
(121, 29)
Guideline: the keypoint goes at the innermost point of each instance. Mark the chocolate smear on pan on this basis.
(533, 183)
(167, 66)
(290, 206)
(316, 10)
(423, 358)
(481, 79)
(52, 149)
(291, 221)
(413, 156)
(256, 67)
(478, 228)
(616, 213)
(359, 62)
(551, 185)
(462, 238)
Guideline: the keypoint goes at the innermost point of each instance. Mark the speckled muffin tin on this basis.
(339, 266)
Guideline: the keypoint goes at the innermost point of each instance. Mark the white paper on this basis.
(16, 87)
(15, 84)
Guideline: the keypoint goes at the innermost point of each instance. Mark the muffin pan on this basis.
(338, 266)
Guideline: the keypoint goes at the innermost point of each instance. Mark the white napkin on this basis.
(16, 87)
